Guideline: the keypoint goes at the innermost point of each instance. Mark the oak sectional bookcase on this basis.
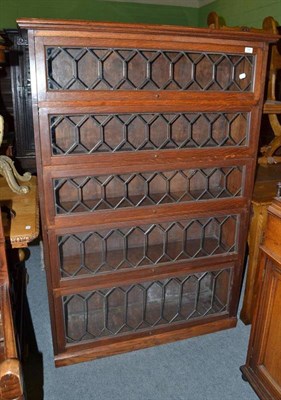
(146, 139)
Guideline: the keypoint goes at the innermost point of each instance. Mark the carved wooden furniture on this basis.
(13, 178)
(215, 21)
(146, 140)
(263, 195)
(272, 106)
(23, 228)
(11, 383)
(263, 366)
(20, 219)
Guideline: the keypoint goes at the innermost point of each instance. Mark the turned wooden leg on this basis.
(11, 387)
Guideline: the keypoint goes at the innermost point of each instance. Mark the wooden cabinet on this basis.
(263, 366)
(22, 102)
(146, 140)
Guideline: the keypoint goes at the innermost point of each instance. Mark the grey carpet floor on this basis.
(201, 368)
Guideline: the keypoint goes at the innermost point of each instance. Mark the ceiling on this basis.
(182, 3)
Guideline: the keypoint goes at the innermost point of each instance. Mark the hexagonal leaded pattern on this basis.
(88, 68)
(98, 133)
(100, 251)
(141, 306)
(93, 193)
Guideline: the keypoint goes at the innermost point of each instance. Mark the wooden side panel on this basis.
(271, 353)
(265, 351)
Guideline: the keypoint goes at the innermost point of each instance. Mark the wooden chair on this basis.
(11, 382)
(272, 107)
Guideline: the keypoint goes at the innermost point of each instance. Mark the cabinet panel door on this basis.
(104, 251)
(109, 68)
(84, 194)
(267, 345)
(141, 306)
(87, 133)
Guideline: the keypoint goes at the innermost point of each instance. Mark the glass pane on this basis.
(89, 68)
(109, 250)
(105, 192)
(107, 133)
(141, 306)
